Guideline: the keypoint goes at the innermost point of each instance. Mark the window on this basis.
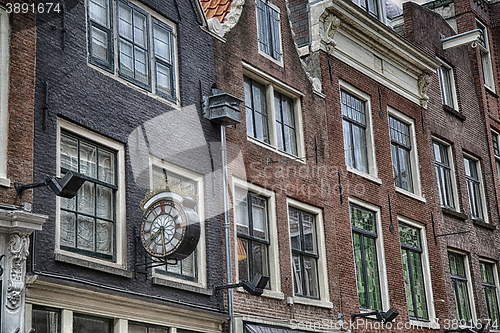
(354, 124)
(404, 153)
(143, 328)
(371, 6)
(145, 45)
(4, 94)
(192, 267)
(87, 324)
(474, 188)
(273, 115)
(484, 48)
(46, 320)
(411, 253)
(490, 282)
(444, 174)
(364, 237)
(90, 223)
(268, 25)
(459, 279)
(496, 152)
(251, 217)
(447, 84)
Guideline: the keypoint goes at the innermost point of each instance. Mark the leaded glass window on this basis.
(443, 174)
(304, 252)
(285, 123)
(411, 252)
(100, 33)
(268, 20)
(251, 217)
(460, 289)
(364, 234)
(256, 110)
(401, 153)
(46, 320)
(88, 324)
(474, 188)
(87, 221)
(186, 268)
(490, 292)
(354, 125)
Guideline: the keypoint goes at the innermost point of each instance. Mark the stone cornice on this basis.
(20, 221)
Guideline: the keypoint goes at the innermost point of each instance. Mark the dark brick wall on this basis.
(20, 108)
(299, 16)
(85, 96)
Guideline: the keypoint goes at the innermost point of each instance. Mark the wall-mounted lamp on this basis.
(384, 317)
(254, 287)
(63, 187)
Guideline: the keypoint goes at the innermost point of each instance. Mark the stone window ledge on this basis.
(182, 286)
(454, 112)
(484, 224)
(93, 265)
(451, 212)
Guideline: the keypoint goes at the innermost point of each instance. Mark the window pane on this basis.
(86, 198)
(372, 273)
(141, 65)
(409, 236)
(419, 285)
(86, 233)
(359, 148)
(491, 297)
(259, 259)
(243, 267)
(126, 58)
(293, 216)
(137, 329)
(309, 233)
(164, 79)
(100, 48)
(363, 219)
(99, 11)
(249, 106)
(140, 30)
(162, 43)
(104, 237)
(310, 271)
(45, 321)
(91, 325)
(241, 212)
(69, 153)
(68, 221)
(125, 21)
(88, 159)
(259, 217)
(406, 274)
(462, 300)
(358, 260)
(297, 275)
(106, 166)
(348, 144)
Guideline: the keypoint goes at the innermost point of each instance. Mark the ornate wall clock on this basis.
(170, 226)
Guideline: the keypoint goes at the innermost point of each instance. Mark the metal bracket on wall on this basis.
(341, 190)
(442, 235)
(63, 27)
(380, 112)
(45, 106)
(422, 117)
(330, 70)
(391, 226)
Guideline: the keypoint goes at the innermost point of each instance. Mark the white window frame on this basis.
(470, 290)
(201, 247)
(382, 269)
(415, 167)
(276, 8)
(4, 94)
(481, 188)
(120, 211)
(452, 87)
(370, 143)
(272, 84)
(273, 249)
(497, 284)
(486, 59)
(324, 295)
(426, 270)
(452, 171)
(114, 73)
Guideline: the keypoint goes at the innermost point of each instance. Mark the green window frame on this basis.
(354, 127)
(401, 154)
(88, 221)
(490, 292)
(252, 225)
(411, 253)
(460, 286)
(364, 234)
(303, 238)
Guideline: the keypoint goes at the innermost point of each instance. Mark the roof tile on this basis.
(216, 8)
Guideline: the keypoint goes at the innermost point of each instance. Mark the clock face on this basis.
(163, 228)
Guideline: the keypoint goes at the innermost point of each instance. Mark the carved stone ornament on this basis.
(18, 252)
(424, 80)
(329, 24)
(233, 16)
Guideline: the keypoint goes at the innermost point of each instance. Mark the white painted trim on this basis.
(452, 83)
(274, 263)
(470, 288)
(120, 230)
(481, 188)
(276, 8)
(201, 248)
(415, 167)
(364, 175)
(324, 295)
(370, 137)
(4, 93)
(452, 168)
(426, 271)
(264, 78)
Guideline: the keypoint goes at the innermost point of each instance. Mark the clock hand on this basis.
(163, 240)
(156, 234)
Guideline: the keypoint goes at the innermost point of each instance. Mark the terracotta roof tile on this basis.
(216, 8)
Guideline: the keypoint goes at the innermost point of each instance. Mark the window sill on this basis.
(182, 286)
(267, 293)
(265, 55)
(425, 324)
(276, 150)
(451, 212)
(312, 302)
(374, 179)
(454, 112)
(491, 91)
(483, 224)
(4, 182)
(93, 265)
(411, 195)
